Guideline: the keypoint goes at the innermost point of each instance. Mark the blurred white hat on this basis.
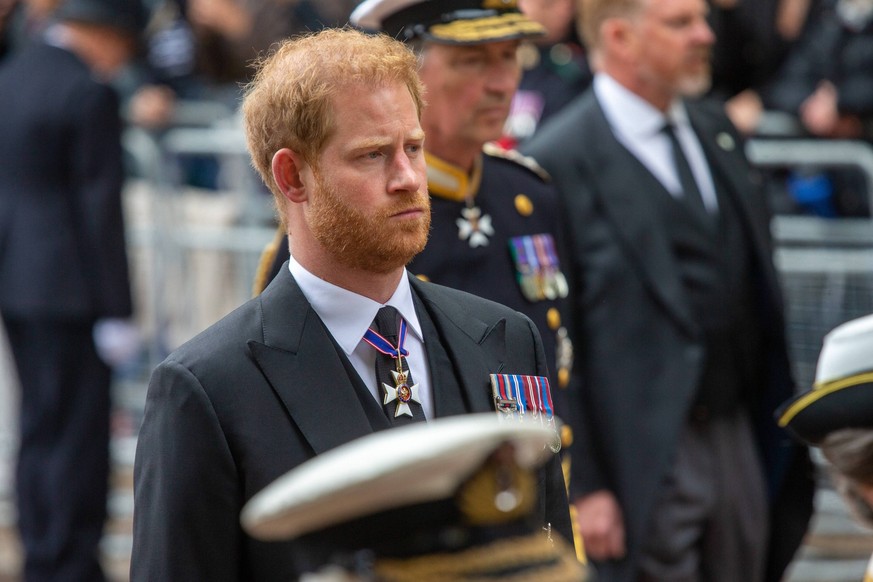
(460, 22)
(842, 396)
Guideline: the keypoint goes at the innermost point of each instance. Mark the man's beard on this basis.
(366, 241)
(696, 85)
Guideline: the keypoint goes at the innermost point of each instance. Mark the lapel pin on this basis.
(725, 141)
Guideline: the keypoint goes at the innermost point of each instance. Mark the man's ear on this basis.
(288, 167)
(617, 33)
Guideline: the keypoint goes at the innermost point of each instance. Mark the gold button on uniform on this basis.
(563, 377)
(553, 316)
(523, 205)
(566, 435)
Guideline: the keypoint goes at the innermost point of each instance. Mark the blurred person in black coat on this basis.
(826, 81)
(21, 21)
(753, 39)
(64, 290)
(555, 69)
(204, 49)
(676, 312)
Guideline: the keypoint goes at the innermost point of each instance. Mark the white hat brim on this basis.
(394, 468)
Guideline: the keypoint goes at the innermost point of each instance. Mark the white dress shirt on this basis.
(638, 125)
(347, 317)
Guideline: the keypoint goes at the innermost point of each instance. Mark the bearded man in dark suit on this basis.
(332, 122)
(677, 314)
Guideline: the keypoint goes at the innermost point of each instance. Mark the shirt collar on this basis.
(630, 114)
(346, 314)
(57, 35)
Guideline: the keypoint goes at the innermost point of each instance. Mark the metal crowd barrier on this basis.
(201, 248)
(788, 152)
(826, 270)
(826, 264)
(194, 252)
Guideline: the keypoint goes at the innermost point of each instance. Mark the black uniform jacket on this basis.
(62, 247)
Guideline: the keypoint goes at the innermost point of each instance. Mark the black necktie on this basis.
(397, 390)
(690, 192)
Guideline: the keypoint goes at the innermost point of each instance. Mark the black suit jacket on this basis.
(640, 351)
(62, 247)
(261, 392)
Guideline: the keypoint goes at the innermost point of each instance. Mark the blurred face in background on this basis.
(672, 47)
(41, 9)
(557, 16)
(106, 49)
(469, 91)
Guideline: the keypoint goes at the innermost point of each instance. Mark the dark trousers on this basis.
(710, 522)
(63, 462)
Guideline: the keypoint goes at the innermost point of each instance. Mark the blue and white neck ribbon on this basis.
(383, 346)
(402, 392)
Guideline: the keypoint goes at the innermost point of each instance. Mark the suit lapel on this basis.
(301, 363)
(721, 153)
(726, 159)
(627, 199)
(475, 348)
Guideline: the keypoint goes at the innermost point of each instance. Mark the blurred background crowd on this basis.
(798, 67)
(795, 77)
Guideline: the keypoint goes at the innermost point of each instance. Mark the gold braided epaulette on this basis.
(530, 558)
(528, 162)
(265, 262)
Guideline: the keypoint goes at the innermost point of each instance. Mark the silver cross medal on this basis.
(401, 392)
(474, 226)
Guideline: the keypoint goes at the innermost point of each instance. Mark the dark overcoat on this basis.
(640, 352)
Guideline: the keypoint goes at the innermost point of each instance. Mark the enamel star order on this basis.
(474, 227)
(402, 392)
